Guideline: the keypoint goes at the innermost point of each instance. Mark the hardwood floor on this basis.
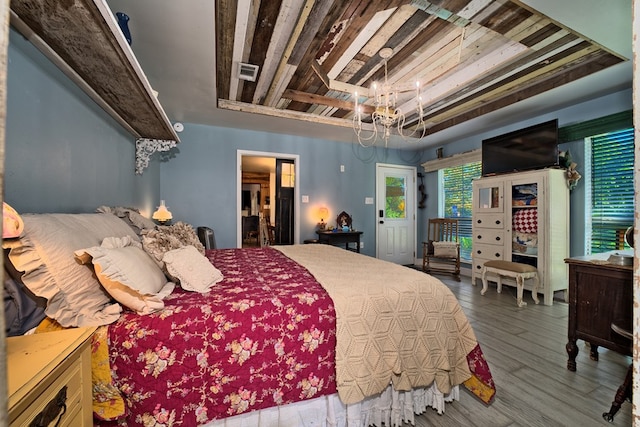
(525, 349)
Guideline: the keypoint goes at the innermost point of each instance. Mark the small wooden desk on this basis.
(598, 295)
(337, 237)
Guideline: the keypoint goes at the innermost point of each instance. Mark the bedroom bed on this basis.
(292, 335)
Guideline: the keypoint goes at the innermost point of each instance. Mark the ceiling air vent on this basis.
(247, 71)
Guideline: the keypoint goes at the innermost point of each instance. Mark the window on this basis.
(456, 200)
(395, 198)
(611, 194)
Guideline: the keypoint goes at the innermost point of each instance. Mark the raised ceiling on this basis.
(475, 59)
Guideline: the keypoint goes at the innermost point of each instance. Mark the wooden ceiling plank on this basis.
(354, 21)
(526, 28)
(507, 16)
(601, 61)
(242, 28)
(467, 73)
(266, 20)
(360, 41)
(485, 14)
(390, 27)
(460, 73)
(524, 79)
(473, 8)
(434, 50)
(285, 70)
(413, 27)
(517, 65)
(562, 34)
(225, 21)
(312, 27)
(287, 114)
(283, 28)
(282, 79)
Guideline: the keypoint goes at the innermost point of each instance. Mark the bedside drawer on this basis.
(72, 379)
(50, 367)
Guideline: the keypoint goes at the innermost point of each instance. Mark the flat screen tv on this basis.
(534, 147)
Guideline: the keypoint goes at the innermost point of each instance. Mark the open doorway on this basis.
(267, 188)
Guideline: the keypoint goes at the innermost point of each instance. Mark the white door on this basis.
(395, 213)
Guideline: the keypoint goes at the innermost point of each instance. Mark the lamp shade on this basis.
(162, 214)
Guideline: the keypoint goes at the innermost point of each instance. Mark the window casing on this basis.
(609, 192)
(456, 200)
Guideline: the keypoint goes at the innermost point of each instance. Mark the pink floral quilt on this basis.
(264, 336)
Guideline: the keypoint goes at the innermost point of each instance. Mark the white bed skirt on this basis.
(391, 408)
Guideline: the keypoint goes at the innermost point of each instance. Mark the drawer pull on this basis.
(54, 409)
(498, 222)
(497, 238)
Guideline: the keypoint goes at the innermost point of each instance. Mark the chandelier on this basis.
(386, 117)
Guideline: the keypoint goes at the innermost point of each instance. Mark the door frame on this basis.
(296, 189)
(414, 173)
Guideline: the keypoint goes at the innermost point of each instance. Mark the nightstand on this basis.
(47, 368)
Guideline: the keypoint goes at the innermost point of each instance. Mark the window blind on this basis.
(458, 200)
(612, 193)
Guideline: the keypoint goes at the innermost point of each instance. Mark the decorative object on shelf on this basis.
(386, 116)
(628, 236)
(573, 176)
(423, 195)
(162, 214)
(123, 23)
(343, 221)
(145, 147)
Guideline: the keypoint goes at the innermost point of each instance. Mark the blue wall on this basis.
(64, 154)
(200, 183)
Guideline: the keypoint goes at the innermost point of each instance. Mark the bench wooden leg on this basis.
(520, 291)
(485, 284)
(534, 291)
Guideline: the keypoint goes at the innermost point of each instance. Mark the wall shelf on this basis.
(83, 39)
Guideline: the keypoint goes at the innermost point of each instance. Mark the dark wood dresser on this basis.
(599, 294)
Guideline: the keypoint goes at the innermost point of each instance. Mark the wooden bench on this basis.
(518, 271)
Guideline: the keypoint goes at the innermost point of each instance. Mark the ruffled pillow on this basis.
(12, 224)
(164, 238)
(128, 274)
(45, 253)
(191, 269)
(131, 216)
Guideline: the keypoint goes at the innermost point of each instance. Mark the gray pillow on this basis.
(45, 253)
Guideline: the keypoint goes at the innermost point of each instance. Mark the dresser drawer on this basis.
(487, 252)
(488, 236)
(488, 221)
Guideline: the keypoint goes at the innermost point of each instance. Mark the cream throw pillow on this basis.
(128, 274)
(192, 269)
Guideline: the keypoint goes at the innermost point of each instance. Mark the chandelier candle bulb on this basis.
(388, 116)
